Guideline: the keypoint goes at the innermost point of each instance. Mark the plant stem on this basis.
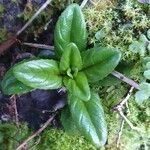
(45, 125)
(34, 16)
(125, 79)
(120, 107)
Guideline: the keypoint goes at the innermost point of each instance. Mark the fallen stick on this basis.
(12, 40)
(120, 109)
(128, 122)
(83, 3)
(34, 16)
(45, 125)
(120, 106)
(14, 105)
(125, 79)
(35, 45)
(120, 133)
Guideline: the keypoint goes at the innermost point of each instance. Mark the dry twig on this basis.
(120, 106)
(125, 79)
(127, 121)
(83, 3)
(120, 109)
(14, 105)
(120, 132)
(45, 125)
(41, 46)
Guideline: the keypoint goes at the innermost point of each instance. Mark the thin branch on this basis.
(120, 132)
(41, 46)
(34, 16)
(120, 109)
(128, 109)
(120, 106)
(14, 105)
(83, 3)
(128, 122)
(125, 79)
(124, 101)
(45, 125)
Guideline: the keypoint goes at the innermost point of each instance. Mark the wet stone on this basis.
(37, 106)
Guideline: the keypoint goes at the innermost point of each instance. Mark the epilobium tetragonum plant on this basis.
(76, 68)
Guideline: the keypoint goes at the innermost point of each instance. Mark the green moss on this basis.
(10, 136)
(53, 139)
(123, 23)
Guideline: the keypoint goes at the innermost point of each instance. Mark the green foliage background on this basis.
(116, 24)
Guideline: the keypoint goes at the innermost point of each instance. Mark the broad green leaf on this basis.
(148, 47)
(99, 62)
(143, 39)
(89, 118)
(148, 65)
(143, 94)
(70, 27)
(147, 72)
(138, 47)
(39, 74)
(71, 58)
(67, 121)
(78, 86)
(10, 85)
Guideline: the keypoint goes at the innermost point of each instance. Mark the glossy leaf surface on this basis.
(39, 74)
(70, 27)
(71, 58)
(143, 94)
(78, 86)
(89, 118)
(10, 85)
(99, 62)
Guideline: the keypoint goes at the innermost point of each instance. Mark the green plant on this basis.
(75, 68)
(144, 93)
(141, 45)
